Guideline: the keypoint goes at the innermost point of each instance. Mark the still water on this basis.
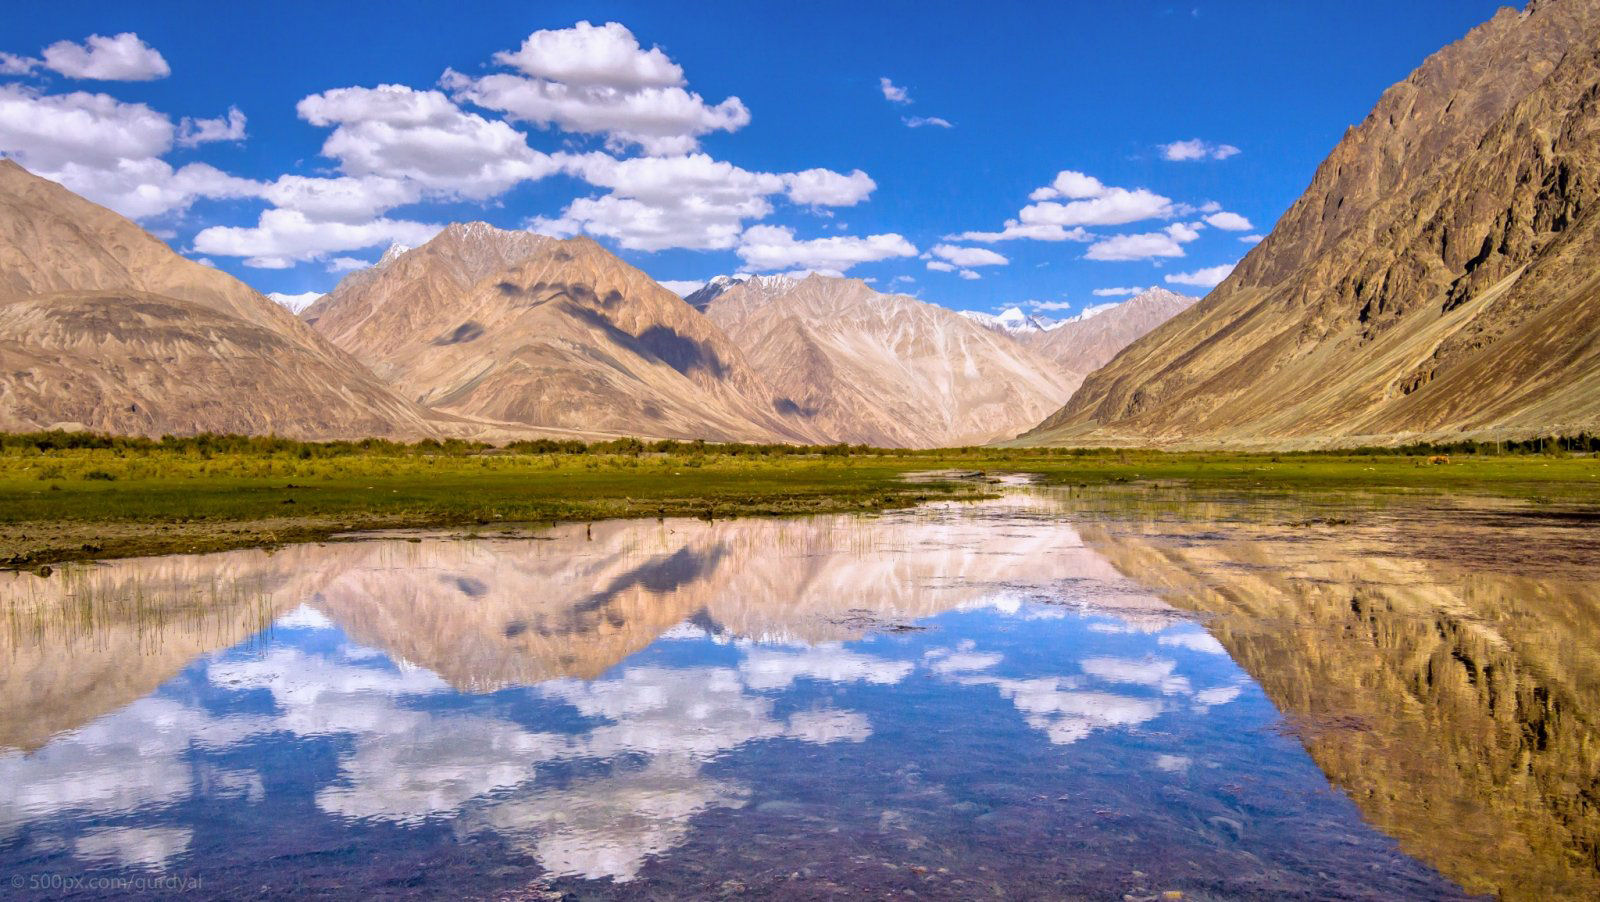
(1054, 694)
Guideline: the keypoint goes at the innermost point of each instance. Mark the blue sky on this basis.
(716, 137)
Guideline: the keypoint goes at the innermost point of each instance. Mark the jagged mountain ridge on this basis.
(887, 370)
(103, 326)
(527, 330)
(1433, 282)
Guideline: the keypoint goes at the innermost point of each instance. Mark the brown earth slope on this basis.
(888, 370)
(522, 329)
(104, 326)
(1088, 343)
(1436, 280)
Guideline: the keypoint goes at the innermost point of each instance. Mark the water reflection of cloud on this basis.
(126, 760)
(1194, 641)
(608, 826)
(1071, 708)
(776, 669)
(408, 764)
(150, 848)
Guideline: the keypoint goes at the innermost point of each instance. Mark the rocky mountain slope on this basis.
(521, 329)
(1436, 280)
(1088, 342)
(769, 285)
(104, 326)
(887, 370)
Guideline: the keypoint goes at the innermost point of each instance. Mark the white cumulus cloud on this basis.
(968, 256)
(106, 150)
(598, 80)
(230, 127)
(766, 248)
(1229, 222)
(1210, 277)
(285, 237)
(1166, 243)
(923, 121)
(1196, 149)
(122, 57)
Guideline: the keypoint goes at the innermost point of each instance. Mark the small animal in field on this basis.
(1439, 459)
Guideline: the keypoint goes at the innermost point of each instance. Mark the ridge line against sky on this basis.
(1043, 158)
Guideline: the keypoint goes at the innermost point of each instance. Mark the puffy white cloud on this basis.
(1048, 305)
(46, 132)
(1060, 210)
(593, 56)
(12, 64)
(122, 57)
(690, 200)
(1117, 292)
(193, 132)
(1196, 149)
(1166, 243)
(968, 274)
(824, 187)
(342, 199)
(921, 121)
(774, 247)
(1251, 239)
(1115, 206)
(1071, 184)
(397, 132)
(681, 287)
(638, 225)
(597, 80)
(892, 92)
(285, 237)
(941, 266)
(1210, 277)
(1229, 222)
(968, 256)
(107, 151)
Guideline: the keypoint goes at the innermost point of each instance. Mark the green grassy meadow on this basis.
(72, 498)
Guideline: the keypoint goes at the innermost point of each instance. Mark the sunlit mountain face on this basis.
(1052, 693)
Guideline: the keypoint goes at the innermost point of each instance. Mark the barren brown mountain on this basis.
(885, 369)
(1436, 280)
(1087, 343)
(521, 329)
(104, 326)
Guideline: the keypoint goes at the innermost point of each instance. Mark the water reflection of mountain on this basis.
(93, 638)
(494, 612)
(1456, 704)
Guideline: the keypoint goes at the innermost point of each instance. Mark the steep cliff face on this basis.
(1435, 280)
(103, 326)
(529, 331)
(888, 370)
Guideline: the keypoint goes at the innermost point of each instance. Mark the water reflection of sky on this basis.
(1004, 722)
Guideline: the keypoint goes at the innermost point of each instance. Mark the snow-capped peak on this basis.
(392, 254)
(295, 303)
(1011, 320)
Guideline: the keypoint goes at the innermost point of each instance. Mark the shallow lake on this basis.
(1059, 693)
